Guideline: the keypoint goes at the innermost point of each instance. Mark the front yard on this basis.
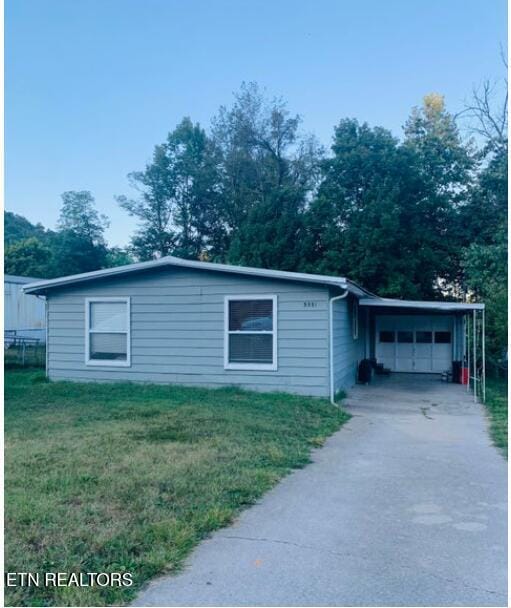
(127, 478)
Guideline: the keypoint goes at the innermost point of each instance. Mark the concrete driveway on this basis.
(404, 506)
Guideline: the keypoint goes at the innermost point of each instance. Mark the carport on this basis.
(407, 336)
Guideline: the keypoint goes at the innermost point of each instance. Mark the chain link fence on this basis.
(23, 352)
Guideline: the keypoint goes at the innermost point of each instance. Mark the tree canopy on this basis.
(78, 244)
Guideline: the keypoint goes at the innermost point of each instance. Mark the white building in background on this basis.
(24, 315)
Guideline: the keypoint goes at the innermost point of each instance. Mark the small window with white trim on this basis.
(107, 331)
(354, 312)
(251, 332)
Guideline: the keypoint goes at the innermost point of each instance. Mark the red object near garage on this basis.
(464, 375)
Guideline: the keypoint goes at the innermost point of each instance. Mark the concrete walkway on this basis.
(404, 506)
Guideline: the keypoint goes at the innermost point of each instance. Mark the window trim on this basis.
(251, 366)
(106, 362)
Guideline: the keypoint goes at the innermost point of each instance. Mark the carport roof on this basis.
(421, 305)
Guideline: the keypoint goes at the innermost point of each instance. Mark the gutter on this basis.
(331, 340)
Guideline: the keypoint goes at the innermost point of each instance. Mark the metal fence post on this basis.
(474, 350)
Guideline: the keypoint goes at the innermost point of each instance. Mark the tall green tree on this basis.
(446, 166)
(118, 256)
(372, 220)
(444, 161)
(177, 206)
(79, 244)
(29, 258)
(483, 220)
(270, 235)
(18, 228)
(485, 273)
(79, 215)
(268, 172)
(196, 165)
(484, 216)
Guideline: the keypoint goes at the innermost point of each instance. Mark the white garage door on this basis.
(411, 343)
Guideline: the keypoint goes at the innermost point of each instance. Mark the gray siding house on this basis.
(199, 323)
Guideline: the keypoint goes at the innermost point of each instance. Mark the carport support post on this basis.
(465, 341)
(484, 358)
(467, 327)
(474, 353)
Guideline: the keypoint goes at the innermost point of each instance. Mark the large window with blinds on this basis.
(107, 331)
(250, 332)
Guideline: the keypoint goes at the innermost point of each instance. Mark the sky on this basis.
(91, 86)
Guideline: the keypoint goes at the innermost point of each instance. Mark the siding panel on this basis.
(347, 350)
(177, 331)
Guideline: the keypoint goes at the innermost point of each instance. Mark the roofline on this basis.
(339, 282)
(424, 305)
(16, 278)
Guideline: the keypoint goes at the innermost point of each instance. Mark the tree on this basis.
(70, 250)
(268, 172)
(17, 228)
(210, 197)
(270, 236)
(445, 162)
(446, 167)
(486, 112)
(72, 254)
(371, 220)
(79, 244)
(485, 213)
(28, 258)
(79, 215)
(485, 268)
(195, 162)
(485, 116)
(178, 194)
(483, 219)
(117, 256)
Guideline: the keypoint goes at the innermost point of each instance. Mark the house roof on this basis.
(418, 304)
(12, 278)
(41, 287)
(366, 297)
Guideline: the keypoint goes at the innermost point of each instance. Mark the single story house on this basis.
(24, 316)
(199, 323)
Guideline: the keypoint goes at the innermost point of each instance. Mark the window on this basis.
(250, 332)
(107, 331)
(423, 337)
(354, 312)
(387, 337)
(405, 337)
(442, 337)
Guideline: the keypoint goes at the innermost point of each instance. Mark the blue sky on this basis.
(93, 85)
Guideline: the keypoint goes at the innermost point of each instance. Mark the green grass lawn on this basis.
(129, 478)
(496, 403)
